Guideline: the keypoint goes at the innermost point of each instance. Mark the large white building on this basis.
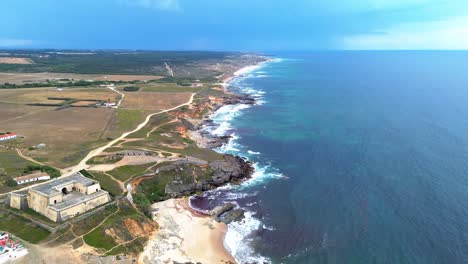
(40, 176)
(7, 136)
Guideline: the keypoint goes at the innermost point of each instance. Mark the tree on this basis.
(10, 182)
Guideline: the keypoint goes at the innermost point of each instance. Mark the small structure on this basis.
(61, 199)
(107, 85)
(40, 176)
(110, 104)
(8, 136)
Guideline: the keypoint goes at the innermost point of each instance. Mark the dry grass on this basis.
(14, 60)
(84, 103)
(21, 78)
(40, 95)
(64, 132)
(127, 78)
(154, 101)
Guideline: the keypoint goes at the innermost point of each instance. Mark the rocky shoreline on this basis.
(175, 240)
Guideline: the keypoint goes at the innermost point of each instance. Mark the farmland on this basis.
(44, 77)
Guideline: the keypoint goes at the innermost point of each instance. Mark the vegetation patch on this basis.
(127, 172)
(22, 228)
(131, 89)
(105, 159)
(107, 183)
(115, 228)
(84, 226)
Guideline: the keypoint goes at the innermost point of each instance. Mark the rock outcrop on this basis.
(227, 213)
(232, 169)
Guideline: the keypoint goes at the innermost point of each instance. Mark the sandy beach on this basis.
(185, 236)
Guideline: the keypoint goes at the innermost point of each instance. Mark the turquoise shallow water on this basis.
(362, 158)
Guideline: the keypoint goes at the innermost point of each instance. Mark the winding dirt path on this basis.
(28, 158)
(82, 165)
(121, 94)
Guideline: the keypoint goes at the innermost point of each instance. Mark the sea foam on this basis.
(238, 240)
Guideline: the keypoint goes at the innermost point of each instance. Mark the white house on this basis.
(110, 104)
(40, 176)
(7, 136)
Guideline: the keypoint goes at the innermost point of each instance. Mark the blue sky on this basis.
(252, 25)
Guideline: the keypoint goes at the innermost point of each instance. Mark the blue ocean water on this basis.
(362, 157)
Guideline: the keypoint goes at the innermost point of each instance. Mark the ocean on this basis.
(361, 157)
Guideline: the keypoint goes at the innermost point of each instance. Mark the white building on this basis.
(7, 136)
(110, 104)
(40, 176)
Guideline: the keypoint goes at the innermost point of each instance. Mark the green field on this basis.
(124, 120)
(22, 228)
(127, 172)
(84, 226)
(107, 183)
(99, 239)
(11, 165)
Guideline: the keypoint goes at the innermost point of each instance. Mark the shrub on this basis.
(131, 89)
(10, 182)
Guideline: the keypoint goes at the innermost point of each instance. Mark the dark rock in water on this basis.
(227, 214)
(240, 99)
(215, 141)
(219, 210)
(232, 216)
(233, 169)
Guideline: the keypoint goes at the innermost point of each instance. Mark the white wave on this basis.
(236, 241)
(268, 227)
(262, 76)
(262, 174)
(223, 116)
(231, 146)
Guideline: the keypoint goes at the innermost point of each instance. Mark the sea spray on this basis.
(238, 238)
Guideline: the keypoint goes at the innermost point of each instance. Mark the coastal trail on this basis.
(82, 165)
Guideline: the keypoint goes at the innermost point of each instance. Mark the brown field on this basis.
(127, 78)
(21, 78)
(153, 101)
(13, 60)
(40, 95)
(64, 132)
(69, 134)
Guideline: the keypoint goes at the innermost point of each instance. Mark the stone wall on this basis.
(81, 208)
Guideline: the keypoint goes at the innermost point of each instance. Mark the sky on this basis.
(240, 25)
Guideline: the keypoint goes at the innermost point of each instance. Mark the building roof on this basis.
(31, 176)
(8, 135)
(50, 188)
(78, 199)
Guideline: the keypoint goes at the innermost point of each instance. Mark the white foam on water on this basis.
(262, 174)
(237, 243)
(231, 146)
(237, 240)
(223, 116)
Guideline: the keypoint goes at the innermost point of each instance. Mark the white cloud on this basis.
(13, 42)
(169, 5)
(449, 34)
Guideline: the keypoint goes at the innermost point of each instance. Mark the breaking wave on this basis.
(239, 237)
